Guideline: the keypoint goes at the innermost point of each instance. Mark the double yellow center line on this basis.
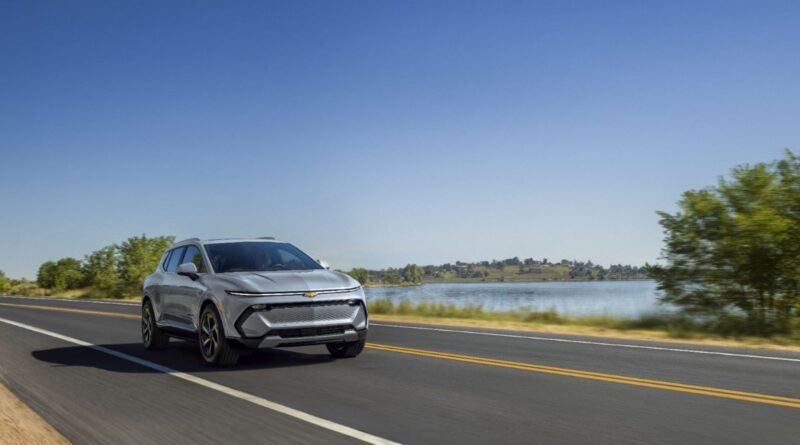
(614, 378)
(522, 366)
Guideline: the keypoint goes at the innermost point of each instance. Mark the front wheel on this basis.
(214, 348)
(346, 350)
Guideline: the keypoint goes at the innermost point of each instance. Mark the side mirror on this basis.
(188, 270)
(324, 264)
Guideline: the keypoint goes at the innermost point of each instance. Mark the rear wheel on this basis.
(214, 348)
(152, 337)
(346, 350)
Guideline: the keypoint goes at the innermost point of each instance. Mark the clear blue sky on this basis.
(380, 133)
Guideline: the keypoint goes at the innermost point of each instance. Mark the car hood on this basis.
(286, 281)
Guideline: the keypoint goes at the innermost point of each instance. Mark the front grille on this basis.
(308, 304)
(334, 313)
(300, 315)
(307, 332)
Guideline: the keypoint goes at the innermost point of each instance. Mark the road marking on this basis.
(264, 403)
(75, 311)
(71, 300)
(456, 331)
(588, 342)
(613, 378)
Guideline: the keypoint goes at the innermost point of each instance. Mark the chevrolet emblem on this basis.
(311, 294)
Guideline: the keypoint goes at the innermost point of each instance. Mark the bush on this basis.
(101, 270)
(25, 288)
(63, 274)
(5, 283)
(361, 275)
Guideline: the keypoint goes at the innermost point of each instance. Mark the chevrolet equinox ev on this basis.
(233, 295)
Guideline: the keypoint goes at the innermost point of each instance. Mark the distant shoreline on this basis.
(505, 282)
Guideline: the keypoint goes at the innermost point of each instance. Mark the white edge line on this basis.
(300, 415)
(587, 342)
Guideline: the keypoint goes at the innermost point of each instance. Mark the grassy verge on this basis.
(91, 294)
(20, 426)
(674, 327)
(75, 294)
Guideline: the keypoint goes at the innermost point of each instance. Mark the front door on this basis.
(188, 292)
(170, 288)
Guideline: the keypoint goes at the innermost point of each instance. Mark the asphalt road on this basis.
(81, 366)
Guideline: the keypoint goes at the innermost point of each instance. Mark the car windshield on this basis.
(255, 256)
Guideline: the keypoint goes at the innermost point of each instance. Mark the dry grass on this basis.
(589, 331)
(88, 294)
(19, 425)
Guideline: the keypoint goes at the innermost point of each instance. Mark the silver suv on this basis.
(239, 294)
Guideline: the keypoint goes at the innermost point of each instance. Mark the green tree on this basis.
(100, 270)
(360, 274)
(138, 258)
(412, 274)
(63, 274)
(5, 283)
(46, 276)
(734, 250)
(391, 277)
(70, 274)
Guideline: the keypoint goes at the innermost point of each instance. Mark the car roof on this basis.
(266, 239)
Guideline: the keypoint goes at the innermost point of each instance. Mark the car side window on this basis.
(166, 260)
(193, 255)
(175, 259)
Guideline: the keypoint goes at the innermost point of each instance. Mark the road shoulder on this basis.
(19, 425)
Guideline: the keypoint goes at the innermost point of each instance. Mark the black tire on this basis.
(346, 350)
(152, 337)
(214, 348)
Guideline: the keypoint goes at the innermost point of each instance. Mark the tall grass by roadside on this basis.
(30, 289)
(25, 288)
(676, 325)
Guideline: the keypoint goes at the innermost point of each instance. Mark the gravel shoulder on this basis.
(19, 425)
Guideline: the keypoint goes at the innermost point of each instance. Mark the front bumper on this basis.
(302, 323)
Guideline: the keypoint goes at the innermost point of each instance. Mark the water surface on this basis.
(617, 298)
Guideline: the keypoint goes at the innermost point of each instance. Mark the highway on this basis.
(81, 366)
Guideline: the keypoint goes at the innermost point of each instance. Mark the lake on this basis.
(617, 298)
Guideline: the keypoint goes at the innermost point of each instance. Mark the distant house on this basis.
(464, 271)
